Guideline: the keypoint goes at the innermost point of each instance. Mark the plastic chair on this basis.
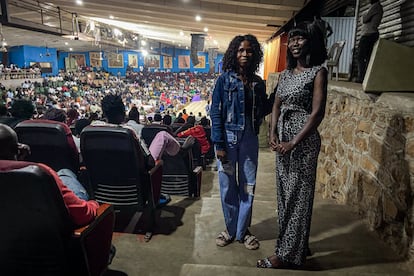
(38, 236)
(334, 54)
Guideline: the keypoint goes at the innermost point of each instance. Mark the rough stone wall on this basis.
(367, 160)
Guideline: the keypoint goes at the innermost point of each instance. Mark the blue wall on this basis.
(166, 51)
(22, 56)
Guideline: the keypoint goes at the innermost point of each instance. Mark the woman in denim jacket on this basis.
(239, 103)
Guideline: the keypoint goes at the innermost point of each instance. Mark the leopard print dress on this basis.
(296, 170)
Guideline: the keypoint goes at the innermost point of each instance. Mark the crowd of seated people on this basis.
(70, 98)
(14, 72)
(150, 92)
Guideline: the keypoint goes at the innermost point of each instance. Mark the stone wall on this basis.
(367, 160)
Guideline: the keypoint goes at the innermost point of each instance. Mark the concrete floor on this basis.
(184, 239)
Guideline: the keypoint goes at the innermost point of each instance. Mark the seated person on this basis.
(158, 120)
(20, 110)
(114, 110)
(133, 121)
(186, 125)
(69, 176)
(81, 211)
(198, 133)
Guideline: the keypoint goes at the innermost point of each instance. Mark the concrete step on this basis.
(215, 270)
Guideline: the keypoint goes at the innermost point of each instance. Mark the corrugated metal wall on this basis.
(332, 5)
(343, 29)
(397, 23)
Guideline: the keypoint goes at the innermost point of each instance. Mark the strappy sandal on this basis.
(251, 242)
(223, 239)
(277, 263)
(266, 263)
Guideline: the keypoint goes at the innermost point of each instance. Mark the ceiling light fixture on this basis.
(198, 18)
(79, 2)
(205, 29)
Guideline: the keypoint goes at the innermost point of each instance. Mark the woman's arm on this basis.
(217, 124)
(318, 112)
(274, 139)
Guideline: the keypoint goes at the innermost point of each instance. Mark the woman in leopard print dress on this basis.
(297, 112)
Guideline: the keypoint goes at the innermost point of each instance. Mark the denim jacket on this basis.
(227, 110)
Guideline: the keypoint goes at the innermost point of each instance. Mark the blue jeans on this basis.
(69, 179)
(237, 193)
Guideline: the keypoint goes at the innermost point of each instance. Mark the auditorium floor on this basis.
(184, 239)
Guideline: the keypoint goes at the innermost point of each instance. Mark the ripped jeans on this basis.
(237, 179)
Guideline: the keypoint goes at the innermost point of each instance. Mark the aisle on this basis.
(196, 107)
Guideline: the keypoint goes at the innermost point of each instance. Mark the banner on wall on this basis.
(133, 60)
(183, 62)
(152, 61)
(115, 60)
(79, 59)
(168, 62)
(201, 62)
(95, 59)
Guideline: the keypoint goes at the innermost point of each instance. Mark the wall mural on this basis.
(183, 62)
(133, 60)
(79, 59)
(95, 59)
(152, 61)
(115, 60)
(168, 62)
(202, 62)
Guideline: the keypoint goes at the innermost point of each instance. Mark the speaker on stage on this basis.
(197, 44)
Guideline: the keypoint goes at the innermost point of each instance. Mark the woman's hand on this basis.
(221, 155)
(284, 147)
(273, 142)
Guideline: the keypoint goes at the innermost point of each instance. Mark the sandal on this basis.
(267, 263)
(223, 239)
(276, 264)
(251, 242)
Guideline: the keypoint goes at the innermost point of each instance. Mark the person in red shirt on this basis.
(198, 133)
(81, 211)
